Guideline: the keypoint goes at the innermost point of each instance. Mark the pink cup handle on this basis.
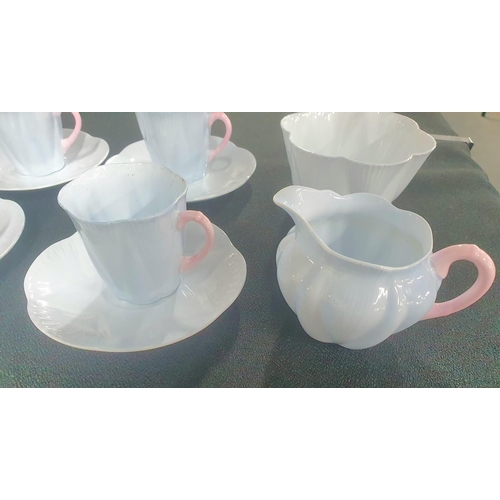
(442, 261)
(195, 216)
(66, 143)
(229, 130)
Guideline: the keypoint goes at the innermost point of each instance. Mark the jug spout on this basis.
(289, 200)
(305, 204)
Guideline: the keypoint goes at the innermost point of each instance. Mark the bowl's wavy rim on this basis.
(413, 123)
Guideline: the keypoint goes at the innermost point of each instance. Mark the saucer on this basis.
(11, 225)
(68, 301)
(228, 171)
(86, 152)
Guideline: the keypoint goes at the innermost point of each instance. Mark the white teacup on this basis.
(130, 218)
(180, 141)
(33, 142)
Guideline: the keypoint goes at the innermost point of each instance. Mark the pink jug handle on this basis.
(66, 143)
(195, 216)
(442, 261)
(229, 130)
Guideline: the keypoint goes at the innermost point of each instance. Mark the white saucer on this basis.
(86, 152)
(11, 225)
(228, 171)
(69, 302)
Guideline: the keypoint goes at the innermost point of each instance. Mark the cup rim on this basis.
(114, 166)
(416, 126)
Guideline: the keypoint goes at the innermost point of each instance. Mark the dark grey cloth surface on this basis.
(258, 341)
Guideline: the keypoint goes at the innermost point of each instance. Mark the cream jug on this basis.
(356, 269)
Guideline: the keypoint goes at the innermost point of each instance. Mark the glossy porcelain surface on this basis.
(11, 225)
(70, 303)
(33, 142)
(355, 269)
(85, 153)
(227, 172)
(131, 217)
(377, 153)
(181, 141)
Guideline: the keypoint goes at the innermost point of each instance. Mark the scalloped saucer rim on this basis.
(234, 160)
(12, 228)
(68, 301)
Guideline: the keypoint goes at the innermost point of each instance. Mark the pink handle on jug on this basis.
(442, 261)
(195, 216)
(229, 130)
(66, 143)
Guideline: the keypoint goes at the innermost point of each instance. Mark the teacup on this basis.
(131, 218)
(33, 142)
(376, 153)
(180, 141)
